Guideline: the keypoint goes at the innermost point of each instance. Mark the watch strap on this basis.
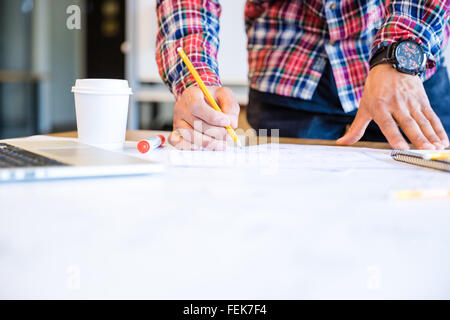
(380, 57)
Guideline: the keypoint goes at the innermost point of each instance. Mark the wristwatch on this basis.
(406, 56)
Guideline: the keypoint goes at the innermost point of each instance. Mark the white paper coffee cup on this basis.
(101, 107)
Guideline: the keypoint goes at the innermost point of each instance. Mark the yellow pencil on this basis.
(436, 156)
(422, 194)
(205, 91)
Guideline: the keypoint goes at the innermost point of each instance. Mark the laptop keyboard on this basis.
(13, 157)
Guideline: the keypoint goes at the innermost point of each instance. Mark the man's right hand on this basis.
(196, 125)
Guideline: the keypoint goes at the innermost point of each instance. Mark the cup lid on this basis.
(117, 86)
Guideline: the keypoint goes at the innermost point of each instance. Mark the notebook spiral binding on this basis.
(415, 159)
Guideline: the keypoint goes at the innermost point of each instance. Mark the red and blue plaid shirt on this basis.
(290, 41)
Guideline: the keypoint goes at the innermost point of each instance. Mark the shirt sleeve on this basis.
(426, 21)
(194, 26)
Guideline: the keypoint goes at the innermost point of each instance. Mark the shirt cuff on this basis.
(176, 74)
(186, 80)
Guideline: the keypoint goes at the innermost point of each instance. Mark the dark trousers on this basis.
(323, 116)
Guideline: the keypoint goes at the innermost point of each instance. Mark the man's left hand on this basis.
(394, 99)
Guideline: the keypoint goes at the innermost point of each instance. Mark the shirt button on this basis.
(332, 6)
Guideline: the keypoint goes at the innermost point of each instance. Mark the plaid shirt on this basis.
(289, 41)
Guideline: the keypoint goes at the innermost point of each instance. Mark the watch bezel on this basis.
(398, 66)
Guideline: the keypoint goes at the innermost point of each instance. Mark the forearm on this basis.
(193, 25)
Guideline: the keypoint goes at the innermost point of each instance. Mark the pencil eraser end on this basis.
(143, 146)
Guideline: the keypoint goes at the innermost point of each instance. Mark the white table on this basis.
(181, 235)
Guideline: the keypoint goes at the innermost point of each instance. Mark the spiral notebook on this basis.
(421, 158)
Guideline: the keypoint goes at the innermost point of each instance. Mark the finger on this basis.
(436, 124)
(228, 104)
(357, 129)
(198, 139)
(390, 130)
(219, 133)
(176, 140)
(426, 128)
(412, 130)
(206, 142)
(205, 112)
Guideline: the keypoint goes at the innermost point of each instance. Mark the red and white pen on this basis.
(152, 143)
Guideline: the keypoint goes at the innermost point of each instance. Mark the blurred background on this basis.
(45, 45)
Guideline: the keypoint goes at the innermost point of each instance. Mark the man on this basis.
(315, 67)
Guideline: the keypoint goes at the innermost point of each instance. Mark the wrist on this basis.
(210, 79)
(386, 70)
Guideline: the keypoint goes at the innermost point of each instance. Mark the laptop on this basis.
(24, 160)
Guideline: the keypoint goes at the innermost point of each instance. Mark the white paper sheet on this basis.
(274, 157)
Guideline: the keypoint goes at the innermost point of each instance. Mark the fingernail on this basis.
(438, 145)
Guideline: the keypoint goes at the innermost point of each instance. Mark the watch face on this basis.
(409, 55)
